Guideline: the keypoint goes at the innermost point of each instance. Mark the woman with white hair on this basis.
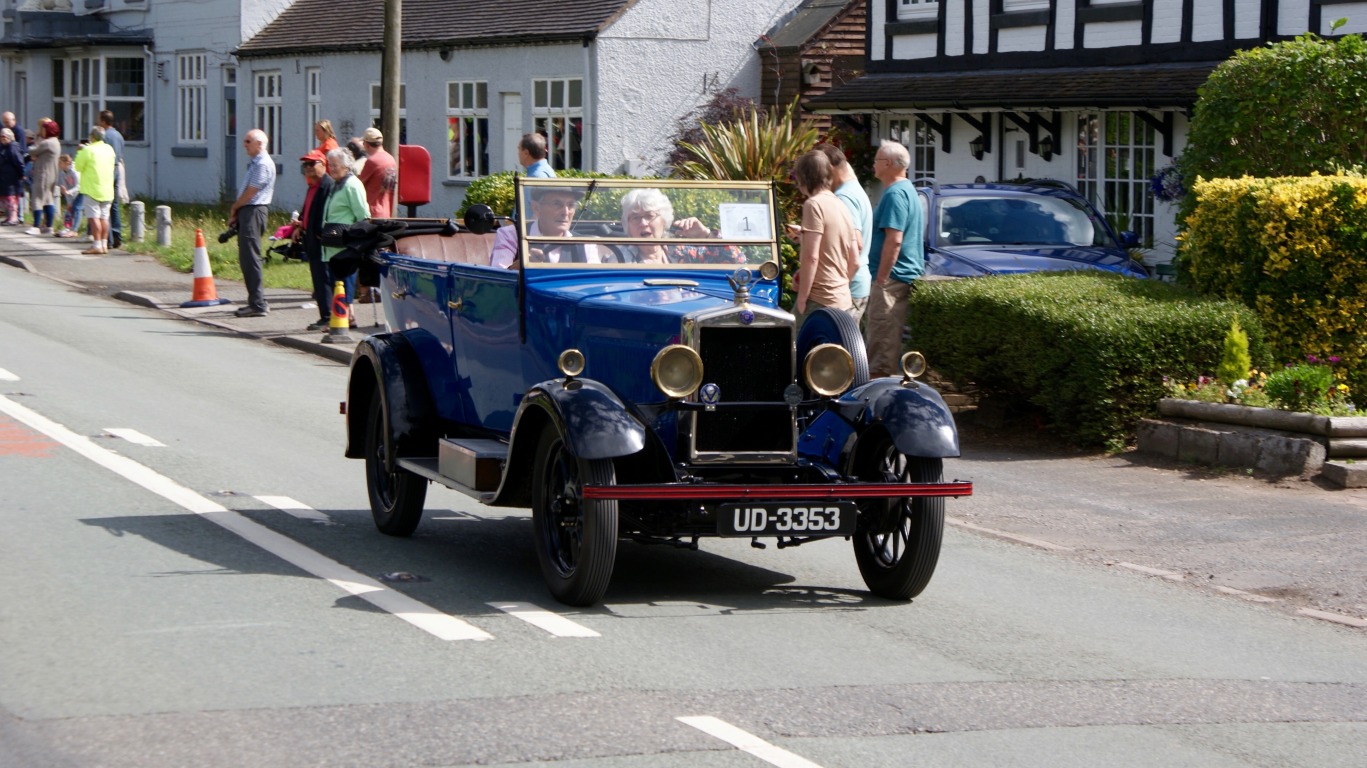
(648, 213)
(11, 175)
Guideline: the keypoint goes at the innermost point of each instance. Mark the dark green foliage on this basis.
(1286, 109)
(1301, 386)
(1088, 349)
(496, 189)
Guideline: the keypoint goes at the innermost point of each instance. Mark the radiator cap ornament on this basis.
(710, 394)
(740, 283)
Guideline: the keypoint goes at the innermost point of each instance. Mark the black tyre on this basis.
(396, 497)
(898, 541)
(834, 326)
(576, 540)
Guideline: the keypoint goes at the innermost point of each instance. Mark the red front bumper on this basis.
(712, 492)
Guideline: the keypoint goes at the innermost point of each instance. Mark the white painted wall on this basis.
(1208, 19)
(906, 47)
(1021, 39)
(1112, 34)
(1167, 21)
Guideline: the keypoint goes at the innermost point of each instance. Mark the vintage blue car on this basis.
(617, 361)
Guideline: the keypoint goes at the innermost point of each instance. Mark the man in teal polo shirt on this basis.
(896, 258)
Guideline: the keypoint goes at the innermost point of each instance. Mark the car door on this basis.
(487, 348)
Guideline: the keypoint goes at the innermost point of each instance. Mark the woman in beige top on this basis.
(830, 248)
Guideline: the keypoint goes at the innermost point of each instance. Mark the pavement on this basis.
(142, 280)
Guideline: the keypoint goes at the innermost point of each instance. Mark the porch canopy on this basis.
(1152, 87)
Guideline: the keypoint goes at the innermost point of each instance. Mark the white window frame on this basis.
(911, 10)
(313, 89)
(1118, 155)
(192, 88)
(554, 112)
(467, 120)
(268, 105)
(85, 92)
(916, 135)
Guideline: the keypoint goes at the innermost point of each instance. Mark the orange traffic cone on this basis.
(205, 294)
(341, 317)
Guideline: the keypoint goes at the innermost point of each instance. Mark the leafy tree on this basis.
(1235, 361)
(1287, 109)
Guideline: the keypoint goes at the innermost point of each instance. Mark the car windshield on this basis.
(645, 224)
(1015, 219)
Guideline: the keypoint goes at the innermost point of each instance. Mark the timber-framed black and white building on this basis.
(1094, 92)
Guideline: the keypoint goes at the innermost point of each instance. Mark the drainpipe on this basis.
(148, 124)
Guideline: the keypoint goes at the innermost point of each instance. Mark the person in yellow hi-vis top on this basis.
(95, 162)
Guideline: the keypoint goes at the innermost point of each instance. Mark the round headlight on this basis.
(571, 362)
(677, 370)
(913, 364)
(768, 270)
(829, 369)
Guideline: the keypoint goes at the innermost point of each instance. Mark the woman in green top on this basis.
(346, 206)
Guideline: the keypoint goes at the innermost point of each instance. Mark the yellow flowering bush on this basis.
(1295, 250)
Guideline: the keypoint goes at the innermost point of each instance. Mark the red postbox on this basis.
(415, 176)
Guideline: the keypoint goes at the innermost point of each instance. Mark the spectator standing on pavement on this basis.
(327, 140)
(69, 182)
(11, 175)
(95, 162)
(380, 176)
(850, 192)
(248, 215)
(46, 152)
(531, 154)
(7, 120)
(830, 244)
(114, 139)
(315, 170)
(896, 258)
(346, 205)
(357, 151)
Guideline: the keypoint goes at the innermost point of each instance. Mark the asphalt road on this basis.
(220, 597)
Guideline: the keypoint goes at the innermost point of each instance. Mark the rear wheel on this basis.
(898, 541)
(396, 497)
(576, 539)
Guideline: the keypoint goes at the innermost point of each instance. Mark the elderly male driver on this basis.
(552, 215)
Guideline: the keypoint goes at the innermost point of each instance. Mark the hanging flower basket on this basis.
(1166, 185)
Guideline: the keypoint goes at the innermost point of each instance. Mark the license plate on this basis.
(835, 518)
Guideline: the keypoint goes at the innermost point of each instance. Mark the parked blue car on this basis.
(631, 376)
(974, 230)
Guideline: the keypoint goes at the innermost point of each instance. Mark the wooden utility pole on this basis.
(390, 76)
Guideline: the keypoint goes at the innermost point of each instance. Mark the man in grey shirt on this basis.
(249, 217)
(114, 139)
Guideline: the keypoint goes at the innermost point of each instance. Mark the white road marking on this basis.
(540, 617)
(295, 508)
(747, 742)
(1162, 574)
(133, 436)
(1337, 618)
(7, 376)
(418, 614)
(1012, 536)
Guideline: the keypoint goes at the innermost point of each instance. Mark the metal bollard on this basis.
(163, 225)
(137, 226)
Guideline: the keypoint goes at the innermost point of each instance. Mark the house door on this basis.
(229, 134)
(512, 129)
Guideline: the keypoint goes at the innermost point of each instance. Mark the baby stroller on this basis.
(281, 245)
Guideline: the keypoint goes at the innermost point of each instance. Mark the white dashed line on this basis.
(133, 436)
(295, 508)
(1337, 618)
(540, 617)
(418, 614)
(7, 376)
(1012, 536)
(747, 742)
(1162, 574)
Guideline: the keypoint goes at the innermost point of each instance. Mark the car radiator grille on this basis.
(748, 365)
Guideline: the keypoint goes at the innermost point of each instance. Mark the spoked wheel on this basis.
(395, 497)
(576, 539)
(834, 326)
(897, 543)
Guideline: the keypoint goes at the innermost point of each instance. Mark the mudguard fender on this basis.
(914, 415)
(595, 422)
(389, 363)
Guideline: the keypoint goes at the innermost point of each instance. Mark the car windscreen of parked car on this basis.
(643, 224)
(989, 219)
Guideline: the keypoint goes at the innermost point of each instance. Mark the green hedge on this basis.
(1088, 349)
(496, 189)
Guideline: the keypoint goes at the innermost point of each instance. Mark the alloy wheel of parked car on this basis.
(396, 497)
(897, 557)
(576, 539)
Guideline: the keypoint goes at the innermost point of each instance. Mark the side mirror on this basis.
(1129, 239)
(480, 219)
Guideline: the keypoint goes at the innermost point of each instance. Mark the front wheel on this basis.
(576, 539)
(897, 544)
(396, 497)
